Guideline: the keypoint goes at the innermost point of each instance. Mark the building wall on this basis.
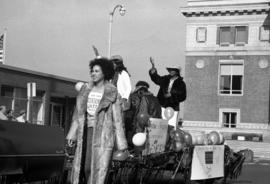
(255, 105)
(203, 101)
(14, 78)
(211, 23)
(20, 79)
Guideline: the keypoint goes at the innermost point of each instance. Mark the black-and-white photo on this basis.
(134, 92)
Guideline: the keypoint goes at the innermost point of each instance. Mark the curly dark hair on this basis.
(106, 66)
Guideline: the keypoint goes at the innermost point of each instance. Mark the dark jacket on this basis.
(143, 105)
(178, 91)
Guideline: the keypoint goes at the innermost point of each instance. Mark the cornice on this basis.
(226, 10)
(224, 2)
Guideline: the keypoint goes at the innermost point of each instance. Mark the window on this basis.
(57, 114)
(6, 97)
(237, 35)
(20, 100)
(265, 33)
(38, 108)
(7, 91)
(231, 78)
(16, 99)
(241, 36)
(201, 34)
(229, 117)
(225, 36)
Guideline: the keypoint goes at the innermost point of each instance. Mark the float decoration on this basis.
(168, 113)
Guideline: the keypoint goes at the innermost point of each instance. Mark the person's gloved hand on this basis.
(70, 142)
(167, 95)
(153, 68)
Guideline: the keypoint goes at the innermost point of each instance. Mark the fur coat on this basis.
(107, 132)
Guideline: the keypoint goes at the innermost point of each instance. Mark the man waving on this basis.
(172, 89)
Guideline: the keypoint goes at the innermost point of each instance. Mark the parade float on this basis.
(164, 154)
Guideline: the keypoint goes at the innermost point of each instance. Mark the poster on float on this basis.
(207, 162)
(156, 137)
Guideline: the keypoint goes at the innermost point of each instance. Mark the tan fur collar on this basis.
(109, 96)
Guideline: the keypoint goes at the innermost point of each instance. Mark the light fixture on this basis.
(122, 10)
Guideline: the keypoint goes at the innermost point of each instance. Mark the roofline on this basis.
(32, 72)
(224, 2)
(226, 9)
(228, 6)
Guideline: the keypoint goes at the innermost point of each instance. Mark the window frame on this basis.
(229, 110)
(230, 62)
(14, 98)
(52, 106)
(262, 35)
(224, 44)
(201, 34)
(233, 36)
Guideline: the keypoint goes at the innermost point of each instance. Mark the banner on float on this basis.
(157, 135)
(207, 162)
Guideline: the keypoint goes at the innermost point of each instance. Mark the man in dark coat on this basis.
(143, 105)
(172, 89)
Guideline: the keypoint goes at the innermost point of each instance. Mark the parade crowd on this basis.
(108, 114)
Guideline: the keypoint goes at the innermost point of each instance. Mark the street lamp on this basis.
(122, 12)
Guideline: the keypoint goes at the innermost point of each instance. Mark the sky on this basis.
(56, 36)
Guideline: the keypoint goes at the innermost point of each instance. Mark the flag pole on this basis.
(4, 45)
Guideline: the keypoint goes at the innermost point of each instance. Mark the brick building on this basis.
(227, 65)
(53, 103)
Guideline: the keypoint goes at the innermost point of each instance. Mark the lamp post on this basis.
(122, 12)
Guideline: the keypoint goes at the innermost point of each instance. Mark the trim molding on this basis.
(225, 10)
(188, 123)
(215, 124)
(228, 52)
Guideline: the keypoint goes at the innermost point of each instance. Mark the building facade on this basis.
(227, 64)
(51, 103)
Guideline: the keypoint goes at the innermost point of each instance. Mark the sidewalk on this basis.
(260, 149)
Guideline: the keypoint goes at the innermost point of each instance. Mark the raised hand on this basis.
(95, 51)
(153, 68)
(152, 62)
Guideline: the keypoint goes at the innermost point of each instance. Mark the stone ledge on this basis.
(224, 11)
(213, 124)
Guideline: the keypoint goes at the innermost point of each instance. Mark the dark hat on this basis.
(174, 69)
(141, 84)
(116, 59)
